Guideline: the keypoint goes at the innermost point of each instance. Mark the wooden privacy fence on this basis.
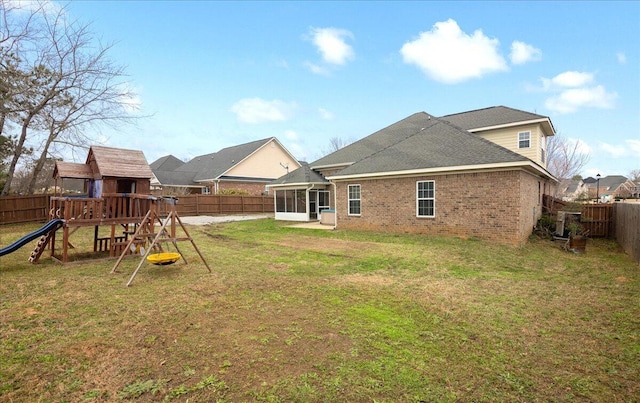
(19, 209)
(191, 205)
(598, 220)
(35, 208)
(627, 217)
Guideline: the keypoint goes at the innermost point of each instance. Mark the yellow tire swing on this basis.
(163, 258)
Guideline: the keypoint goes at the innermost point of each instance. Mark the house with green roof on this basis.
(247, 167)
(480, 174)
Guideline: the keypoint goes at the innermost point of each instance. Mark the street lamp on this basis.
(597, 188)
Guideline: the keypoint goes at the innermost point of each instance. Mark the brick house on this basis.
(478, 174)
(246, 167)
(611, 187)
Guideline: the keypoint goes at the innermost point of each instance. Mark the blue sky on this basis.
(216, 74)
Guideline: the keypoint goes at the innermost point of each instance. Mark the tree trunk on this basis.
(37, 169)
(17, 153)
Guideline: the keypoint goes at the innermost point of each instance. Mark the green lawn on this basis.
(308, 315)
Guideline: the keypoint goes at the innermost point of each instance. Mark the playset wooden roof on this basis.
(109, 162)
(72, 170)
(120, 163)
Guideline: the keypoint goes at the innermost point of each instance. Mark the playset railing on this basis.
(116, 208)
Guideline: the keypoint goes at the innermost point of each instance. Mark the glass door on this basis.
(313, 205)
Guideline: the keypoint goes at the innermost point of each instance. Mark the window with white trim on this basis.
(524, 139)
(426, 198)
(353, 196)
(543, 153)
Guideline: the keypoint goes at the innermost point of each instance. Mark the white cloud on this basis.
(45, 6)
(622, 58)
(570, 100)
(580, 146)
(257, 110)
(522, 53)
(575, 90)
(568, 79)
(315, 69)
(332, 45)
(448, 55)
(326, 115)
(630, 148)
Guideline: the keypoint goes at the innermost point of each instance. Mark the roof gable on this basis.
(213, 165)
(120, 163)
(497, 116)
(612, 182)
(304, 174)
(166, 163)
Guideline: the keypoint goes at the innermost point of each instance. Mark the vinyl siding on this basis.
(265, 163)
(508, 138)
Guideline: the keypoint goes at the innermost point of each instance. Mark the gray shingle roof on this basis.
(171, 171)
(422, 142)
(211, 166)
(609, 183)
(304, 174)
(175, 178)
(166, 163)
(493, 116)
(374, 142)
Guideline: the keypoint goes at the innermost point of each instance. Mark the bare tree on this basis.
(61, 84)
(634, 175)
(335, 144)
(565, 159)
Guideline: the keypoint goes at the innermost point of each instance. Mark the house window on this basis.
(354, 199)
(206, 190)
(426, 198)
(543, 141)
(524, 139)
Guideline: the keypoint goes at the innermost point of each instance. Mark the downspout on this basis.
(335, 205)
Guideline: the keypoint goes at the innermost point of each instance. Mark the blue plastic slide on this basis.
(50, 226)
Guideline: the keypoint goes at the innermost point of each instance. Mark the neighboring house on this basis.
(246, 167)
(612, 186)
(570, 190)
(474, 174)
(107, 170)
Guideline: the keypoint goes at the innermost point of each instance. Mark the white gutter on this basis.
(446, 170)
(335, 205)
(294, 185)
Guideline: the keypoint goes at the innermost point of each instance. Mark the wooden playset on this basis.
(116, 201)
